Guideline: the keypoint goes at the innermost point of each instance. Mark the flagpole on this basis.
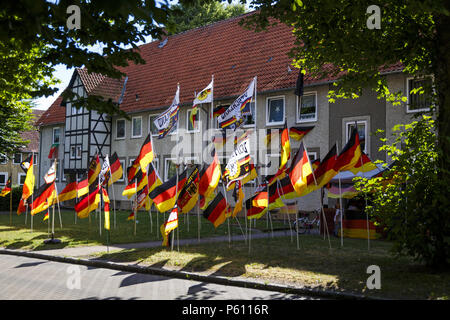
(340, 203)
(287, 214)
(10, 199)
(100, 209)
(59, 209)
(114, 196)
(76, 198)
(136, 205)
(367, 215)
(32, 191)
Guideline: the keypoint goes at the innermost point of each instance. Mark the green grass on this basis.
(20, 236)
(277, 260)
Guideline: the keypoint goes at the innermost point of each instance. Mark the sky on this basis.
(64, 74)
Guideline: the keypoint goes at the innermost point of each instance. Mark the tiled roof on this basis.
(233, 54)
(32, 135)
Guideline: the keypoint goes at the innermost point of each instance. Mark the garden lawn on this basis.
(83, 233)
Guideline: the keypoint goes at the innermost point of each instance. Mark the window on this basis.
(170, 168)
(35, 159)
(75, 152)
(151, 125)
(21, 178)
(3, 178)
(57, 171)
(56, 135)
(307, 107)
(249, 120)
(63, 176)
(136, 127)
(419, 99)
(275, 111)
(17, 158)
(120, 129)
(362, 131)
(3, 160)
(196, 127)
(312, 155)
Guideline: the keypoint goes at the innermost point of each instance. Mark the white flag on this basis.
(166, 122)
(232, 117)
(104, 172)
(204, 96)
(50, 176)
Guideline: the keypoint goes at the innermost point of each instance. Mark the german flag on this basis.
(140, 180)
(285, 147)
(326, 170)
(21, 207)
(46, 216)
(6, 189)
(239, 198)
(68, 193)
(206, 200)
(44, 198)
(209, 176)
(217, 210)
(116, 169)
(153, 178)
(89, 202)
(349, 156)
(170, 225)
(28, 185)
(142, 198)
(189, 194)
(364, 164)
(300, 169)
(219, 110)
(315, 164)
(106, 202)
(251, 176)
(164, 196)
(145, 154)
(94, 169)
(297, 133)
(131, 216)
(82, 188)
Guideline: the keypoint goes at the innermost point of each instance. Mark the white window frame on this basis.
(358, 121)
(124, 129)
(149, 124)
(53, 137)
(58, 171)
(5, 174)
(314, 153)
(70, 154)
(188, 111)
(35, 159)
(407, 94)
(5, 161)
(63, 176)
(20, 174)
(132, 127)
(279, 123)
(156, 164)
(298, 102)
(21, 158)
(166, 167)
(195, 158)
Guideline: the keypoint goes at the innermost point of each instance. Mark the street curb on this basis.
(329, 294)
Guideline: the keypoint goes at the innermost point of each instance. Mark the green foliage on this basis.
(16, 195)
(190, 15)
(404, 200)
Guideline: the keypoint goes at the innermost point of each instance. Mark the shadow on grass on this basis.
(277, 260)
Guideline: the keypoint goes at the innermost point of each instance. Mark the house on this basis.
(12, 166)
(234, 55)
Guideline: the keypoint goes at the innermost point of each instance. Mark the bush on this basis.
(16, 195)
(408, 198)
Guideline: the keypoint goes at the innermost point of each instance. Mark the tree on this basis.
(336, 33)
(402, 200)
(35, 37)
(186, 16)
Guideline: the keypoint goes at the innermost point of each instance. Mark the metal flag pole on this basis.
(114, 202)
(228, 220)
(32, 191)
(76, 198)
(340, 203)
(99, 210)
(10, 200)
(136, 205)
(150, 216)
(287, 214)
(367, 215)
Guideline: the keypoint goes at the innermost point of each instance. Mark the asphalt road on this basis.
(24, 278)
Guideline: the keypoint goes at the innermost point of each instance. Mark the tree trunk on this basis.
(442, 84)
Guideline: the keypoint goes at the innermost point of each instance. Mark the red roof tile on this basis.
(32, 135)
(233, 54)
